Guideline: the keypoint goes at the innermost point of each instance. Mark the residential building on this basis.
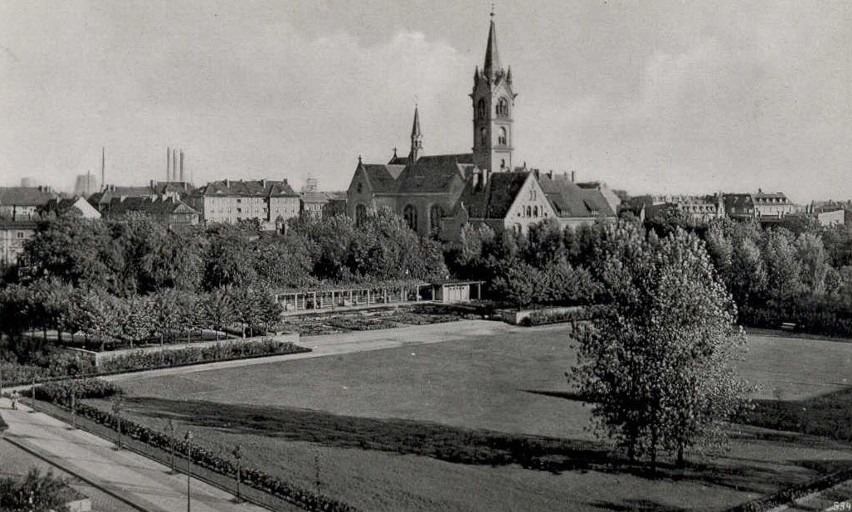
(320, 204)
(269, 202)
(23, 203)
(13, 235)
(101, 200)
(772, 204)
(77, 205)
(166, 210)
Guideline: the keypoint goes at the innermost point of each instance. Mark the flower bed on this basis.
(201, 456)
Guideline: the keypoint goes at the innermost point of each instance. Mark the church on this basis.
(438, 195)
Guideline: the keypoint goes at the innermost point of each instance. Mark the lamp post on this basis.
(188, 439)
(32, 392)
(116, 409)
(170, 427)
(238, 455)
(72, 404)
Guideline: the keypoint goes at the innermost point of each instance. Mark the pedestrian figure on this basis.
(14, 400)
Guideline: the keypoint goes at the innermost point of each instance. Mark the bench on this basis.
(788, 326)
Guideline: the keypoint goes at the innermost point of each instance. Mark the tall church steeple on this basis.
(416, 138)
(493, 106)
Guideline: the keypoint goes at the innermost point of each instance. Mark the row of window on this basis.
(502, 136)
(532, 211)
(501, 109)
(409, 214)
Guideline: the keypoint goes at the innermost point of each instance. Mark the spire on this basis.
(416, 137)
(415, 127)
(492, 58)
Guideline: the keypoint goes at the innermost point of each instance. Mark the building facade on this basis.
(271, 203)
(438, 195)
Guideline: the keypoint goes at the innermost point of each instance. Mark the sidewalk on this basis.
(139, 481)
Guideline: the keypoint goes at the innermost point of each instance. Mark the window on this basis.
(535, 211)
(502, 138)
(360, 187)
(503, 163)
(532, 194)
(503, 108)
(19, 234)
(435, 214)
(529, 211)
(410, 216)
(480, 109)
(483, 137)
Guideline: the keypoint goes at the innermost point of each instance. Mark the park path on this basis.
(347, 343)
(137, 480)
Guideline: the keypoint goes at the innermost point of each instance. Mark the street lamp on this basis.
(238, 455)
(188, 439)
(73, 404)
(116, 409)
(170, 427)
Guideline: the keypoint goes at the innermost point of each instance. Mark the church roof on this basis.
(492, 56)
(435, 174)
(494, 199)
(382, 177)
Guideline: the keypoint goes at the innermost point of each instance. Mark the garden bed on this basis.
(368, 320)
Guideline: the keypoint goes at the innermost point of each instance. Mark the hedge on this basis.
(201, 456)
(139, 360)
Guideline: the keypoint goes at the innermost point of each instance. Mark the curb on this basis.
(137, 503)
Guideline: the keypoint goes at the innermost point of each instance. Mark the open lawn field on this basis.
(488, 422)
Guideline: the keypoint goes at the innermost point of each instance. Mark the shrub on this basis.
(48, 492)
(60, 392)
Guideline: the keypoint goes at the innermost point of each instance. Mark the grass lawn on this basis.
(487, 423)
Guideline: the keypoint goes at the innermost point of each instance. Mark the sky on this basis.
(653, 96)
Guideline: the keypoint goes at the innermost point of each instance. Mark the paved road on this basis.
(146, 484)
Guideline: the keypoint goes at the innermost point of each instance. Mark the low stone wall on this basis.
(98, 358)
(516, 316)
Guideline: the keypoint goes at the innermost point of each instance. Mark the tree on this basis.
(229, 259)
(657, 360)
(73, 250)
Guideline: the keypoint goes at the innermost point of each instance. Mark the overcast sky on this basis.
(667, 96)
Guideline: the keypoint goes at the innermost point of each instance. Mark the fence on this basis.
(164, 457)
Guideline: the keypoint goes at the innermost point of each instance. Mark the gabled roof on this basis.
(24, 196)
(148, 205)
(112, 192)
(494, 200)
(248, 188)
(569, 200)
(60, 206)
(435, 174)
(738, 201)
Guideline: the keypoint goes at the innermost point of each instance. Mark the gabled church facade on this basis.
(438, 195)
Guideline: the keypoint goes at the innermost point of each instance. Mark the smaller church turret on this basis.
(416, 138)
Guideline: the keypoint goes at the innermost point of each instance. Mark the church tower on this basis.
(493, 106)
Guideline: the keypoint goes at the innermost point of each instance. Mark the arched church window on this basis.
(435, 214)
(483, 137)
(502, 138)
(410, 216)
(529, 211)
(360, 214)
(480, 109)
(360, 187)
(503, 107)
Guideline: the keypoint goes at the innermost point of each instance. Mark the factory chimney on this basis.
(181, 166)
(174, 165)
(168, 164)
(103, 167)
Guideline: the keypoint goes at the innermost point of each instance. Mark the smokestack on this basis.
(181, 166)
(174, 165)
(168, 164)
(103, 167)
(573, 177)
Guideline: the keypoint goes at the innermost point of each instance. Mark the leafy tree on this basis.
(229, 259)
(219, 309)
(74, 250)
(657, 361)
